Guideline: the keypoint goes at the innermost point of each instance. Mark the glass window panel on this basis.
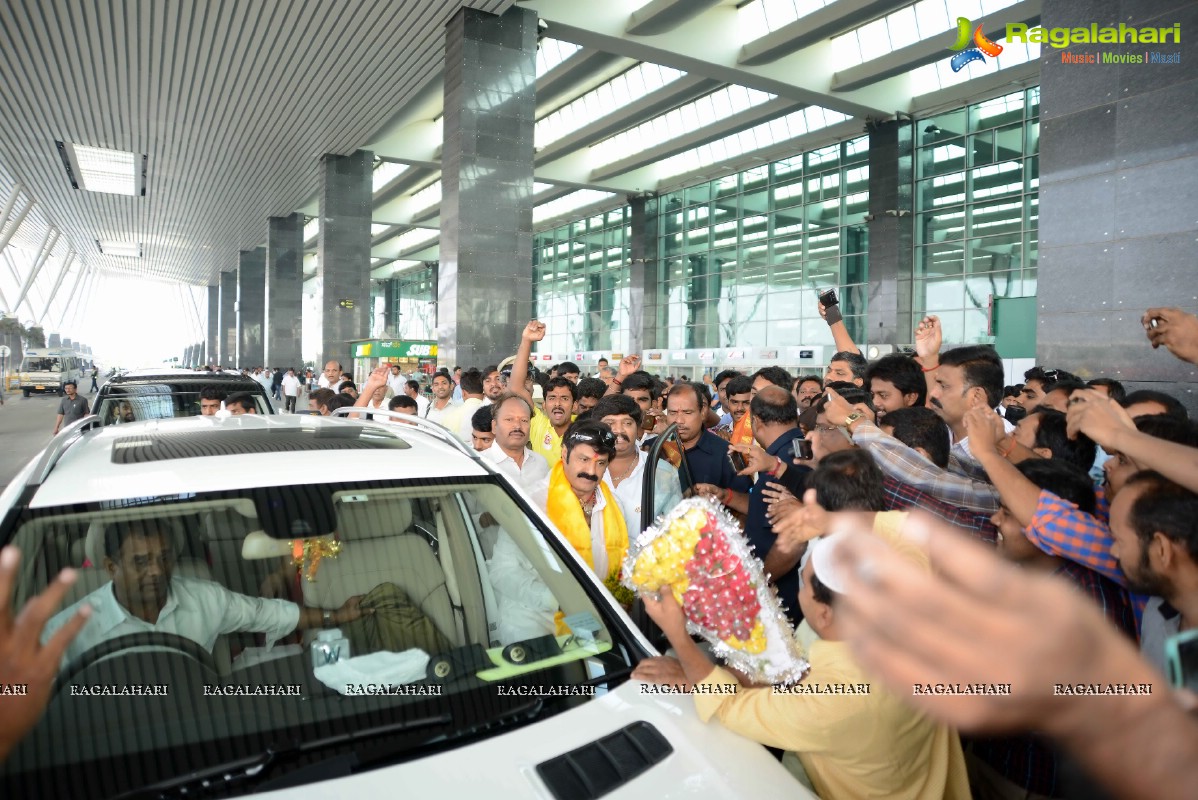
(1008, 142)
(727, 186)
(994, 113)
(943, 157)
(755, 227)
(822, 273)
(974, 326)
(822, 215)
(755, 202)
(1033, 101)
(856, 206)
(786, 275)
(992, 218)
(1033, 137)
(787, 194)
(940, 225)
(940, 259)
(854, 239)
(993, 253)
(823, 244)
(753, 259)
(824, 158)
(981, 148)
(698, 194)
(787, 249)
(754, 179)
(787, 167)
(995, 180)
(855, 268)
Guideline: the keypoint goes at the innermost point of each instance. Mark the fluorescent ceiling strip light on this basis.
(110, 247)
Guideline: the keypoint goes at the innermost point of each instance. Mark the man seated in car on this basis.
(145, 596)
(240, 403)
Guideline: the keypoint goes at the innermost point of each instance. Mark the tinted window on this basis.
(451, 571)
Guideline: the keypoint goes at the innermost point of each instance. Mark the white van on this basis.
(49, 369)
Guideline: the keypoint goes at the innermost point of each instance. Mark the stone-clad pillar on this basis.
(485, 277)
(210, 354)
(643, 273)
(344, 252)
(284, 291)
(1118, 187)
(228, 319)
(251, 308)
(891, 161)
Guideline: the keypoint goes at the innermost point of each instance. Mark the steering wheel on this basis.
(171, 641)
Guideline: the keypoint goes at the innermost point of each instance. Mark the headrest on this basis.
(372, 518)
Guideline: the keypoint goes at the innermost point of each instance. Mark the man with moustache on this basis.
(624, 475)
(580, 504)
(548, 426)
(144, 595)
(511, 418)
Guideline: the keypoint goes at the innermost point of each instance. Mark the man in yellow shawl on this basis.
(580, 504)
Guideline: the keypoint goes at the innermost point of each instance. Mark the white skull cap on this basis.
(822, 552)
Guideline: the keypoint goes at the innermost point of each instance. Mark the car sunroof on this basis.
(150, 447)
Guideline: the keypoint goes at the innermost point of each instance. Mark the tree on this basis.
(36, 336)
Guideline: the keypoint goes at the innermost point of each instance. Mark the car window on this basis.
(136, 402)
(445, 595)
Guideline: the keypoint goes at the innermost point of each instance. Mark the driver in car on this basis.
(145, 596)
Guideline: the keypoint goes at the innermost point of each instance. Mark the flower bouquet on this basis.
(699, 551)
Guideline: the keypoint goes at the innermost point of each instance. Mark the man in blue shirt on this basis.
(775, 426)
(706, 453)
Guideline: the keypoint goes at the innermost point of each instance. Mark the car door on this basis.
(666, 477)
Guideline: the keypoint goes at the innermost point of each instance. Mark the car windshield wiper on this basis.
(228, 775)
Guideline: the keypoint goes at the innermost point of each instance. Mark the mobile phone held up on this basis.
(1181, 660)
(738, 461)
(828, 298)
(801, 449)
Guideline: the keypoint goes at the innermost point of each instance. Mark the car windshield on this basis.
(41, 365)
(298, 619)
(134, 402)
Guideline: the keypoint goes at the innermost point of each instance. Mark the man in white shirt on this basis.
(509, 452)
(412, 389)
(625, 473)
(526, 606)
(396, 380)
(458, 419)
(331, 377)
(492, 385)
(291, 389)
(145, 596)
(442, 399)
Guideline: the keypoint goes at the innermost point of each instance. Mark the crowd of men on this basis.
(1079, 507)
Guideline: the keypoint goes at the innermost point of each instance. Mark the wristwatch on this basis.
(850, 419)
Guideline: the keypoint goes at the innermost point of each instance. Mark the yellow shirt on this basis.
(543, 439)
(852, 745)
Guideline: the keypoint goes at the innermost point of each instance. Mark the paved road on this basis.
(26, 424)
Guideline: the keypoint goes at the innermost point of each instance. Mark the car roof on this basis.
(172, 374)
(188, 455)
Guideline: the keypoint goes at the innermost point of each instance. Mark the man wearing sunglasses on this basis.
(580, 504)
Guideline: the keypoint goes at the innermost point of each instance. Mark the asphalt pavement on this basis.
(26, 426)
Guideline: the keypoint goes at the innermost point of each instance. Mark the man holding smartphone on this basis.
(776, 428)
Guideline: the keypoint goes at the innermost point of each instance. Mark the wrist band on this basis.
(726, 496)
(1010, 447)
(776, 469)
(832, 315)
(929, 369)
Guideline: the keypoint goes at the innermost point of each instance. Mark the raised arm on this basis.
(840, 332)
(628, 365)
(534, 331)
(1104, 421)
(928, 338)
(1017, 493)
(1175, 329)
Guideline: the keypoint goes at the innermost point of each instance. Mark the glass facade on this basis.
(742, 258)
(581, 283)
(976, 210)
(410, 312)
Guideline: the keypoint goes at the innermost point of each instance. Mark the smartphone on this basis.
(801, 449)
(1181, 660)
(738, 460)
(828, 299)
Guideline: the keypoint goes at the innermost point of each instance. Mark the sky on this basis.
(133, 322)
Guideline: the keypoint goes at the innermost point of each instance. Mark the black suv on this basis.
(167, 393)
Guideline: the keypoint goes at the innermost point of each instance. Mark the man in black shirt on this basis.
(706, 453)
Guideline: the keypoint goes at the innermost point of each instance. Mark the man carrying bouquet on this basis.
(850, 744)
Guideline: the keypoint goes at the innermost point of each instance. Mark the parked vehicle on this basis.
(47, 369)
(164, 393)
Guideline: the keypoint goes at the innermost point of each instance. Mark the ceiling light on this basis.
(110, 247)
(96, 169)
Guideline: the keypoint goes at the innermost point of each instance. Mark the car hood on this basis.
(708, 759)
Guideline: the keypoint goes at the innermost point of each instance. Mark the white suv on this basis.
(255, 542)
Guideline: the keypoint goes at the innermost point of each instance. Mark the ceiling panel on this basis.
(234, 102)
